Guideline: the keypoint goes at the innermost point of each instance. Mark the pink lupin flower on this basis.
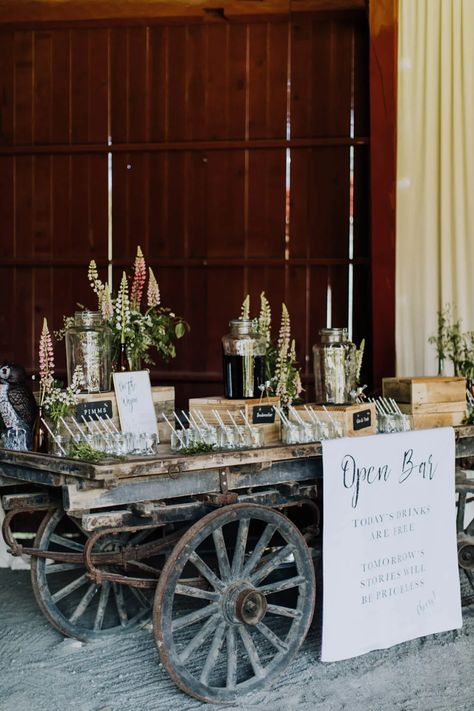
(139, 277)
(153, 291)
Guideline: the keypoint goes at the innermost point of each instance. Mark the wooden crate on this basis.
(422, 391)
(251, 408)
(163, 401)
(358, 419)
(437, 419)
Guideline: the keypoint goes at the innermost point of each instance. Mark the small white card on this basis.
(134, 402)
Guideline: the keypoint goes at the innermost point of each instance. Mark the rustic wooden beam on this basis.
(383, 16)
(37, 11)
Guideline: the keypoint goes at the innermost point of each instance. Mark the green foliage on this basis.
(198, 448)
(282, 374)
(453, 345)
(84, 451)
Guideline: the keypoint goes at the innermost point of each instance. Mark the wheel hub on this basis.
(466, 556)
(244, 604)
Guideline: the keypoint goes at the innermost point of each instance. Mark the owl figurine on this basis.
(18, 408)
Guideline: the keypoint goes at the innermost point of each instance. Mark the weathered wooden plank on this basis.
(186, 484)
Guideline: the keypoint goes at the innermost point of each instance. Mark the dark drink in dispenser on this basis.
(243, 352)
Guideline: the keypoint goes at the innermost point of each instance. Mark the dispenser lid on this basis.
(333, 335)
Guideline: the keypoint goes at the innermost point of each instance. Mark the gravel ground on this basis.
(42, 671)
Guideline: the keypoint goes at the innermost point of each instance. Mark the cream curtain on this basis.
(435, 174)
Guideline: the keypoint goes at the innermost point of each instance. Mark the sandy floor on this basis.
(42, 671)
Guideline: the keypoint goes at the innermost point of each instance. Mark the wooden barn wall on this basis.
(177, 137)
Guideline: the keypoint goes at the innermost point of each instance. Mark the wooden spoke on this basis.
(272, 637)
(61, 567)
(120, 603)
(470, 528)
(258, 670)
(221, 552)
(191, 591)
(84, 603)
(204, 569)
(274, 562)
(142, 599)
(213, 653)
(281, 585)
(231, 658)
(470, 577)
(192, 617)
(101, 607)
(240, 546)
(70, 588)
(284, 611)
(257, 553)
(66, 543)
(199, 638)
(461, 507)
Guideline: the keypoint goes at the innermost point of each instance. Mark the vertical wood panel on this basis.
(42, 88)
(138, 84)
(225, 203)
(177, 80)
(60, 95)
(41, 237)
(6, 87)
(23, 88)
(7, 205)
(266, 200)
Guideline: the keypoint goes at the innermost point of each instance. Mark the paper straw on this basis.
(172, 428)
(395, 405)
(86, 422)
(112, 423)
(67, 426)
(279, 411)
(202, 418)
(312, 415)
(240, 433)
(296, 414)
(53, 436)
(331, 418)
(218, 418)
(245, 419)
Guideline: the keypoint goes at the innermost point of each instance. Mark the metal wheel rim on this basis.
(163, 606)
(50, 609)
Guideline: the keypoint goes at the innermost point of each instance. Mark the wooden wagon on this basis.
(219, 549)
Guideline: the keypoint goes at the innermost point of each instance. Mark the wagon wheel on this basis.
(465, 531)
(239, 626)
(74, 604)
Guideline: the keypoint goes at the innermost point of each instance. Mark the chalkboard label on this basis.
(361, 420)
(263, 414)
(97, 410)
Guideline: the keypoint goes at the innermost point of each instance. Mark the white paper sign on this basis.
(134, 402)
(390, 571)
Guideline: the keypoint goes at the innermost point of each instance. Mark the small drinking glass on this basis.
(290, 433)
(254, 437)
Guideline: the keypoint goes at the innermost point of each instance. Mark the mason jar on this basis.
(335, 366)
(243, 352)
(88, 345)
